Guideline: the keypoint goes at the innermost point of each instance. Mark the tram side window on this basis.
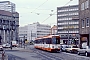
(44, 41)
(39, 41)
(36, 41)
(48, 41)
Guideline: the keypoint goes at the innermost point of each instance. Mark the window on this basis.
(82, 6)
(83, 23)
(87, 22)
(87, 4)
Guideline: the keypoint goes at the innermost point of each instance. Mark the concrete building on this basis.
(84, 16)
(7, 6)
(9, 26)
(33, 31)
(54, 30)
(68, 23)
(9, 22)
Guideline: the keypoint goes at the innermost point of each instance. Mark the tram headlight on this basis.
(52, 46)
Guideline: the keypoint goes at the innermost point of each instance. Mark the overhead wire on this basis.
(39, 6)
(55, 12)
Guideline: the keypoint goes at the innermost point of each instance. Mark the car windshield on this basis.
(55, 40)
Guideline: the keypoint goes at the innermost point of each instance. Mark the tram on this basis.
(49, 43)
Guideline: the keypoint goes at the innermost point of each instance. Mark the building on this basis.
(23, 32)
(7, 6)
(84, 19)
(9, 26)
(54, 30)
(35, 30)
(68, 24)
(9, 22)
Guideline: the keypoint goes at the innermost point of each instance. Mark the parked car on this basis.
(85, 51)
(63, 47)
(6, 45)
(1, 48)
(14, 44)
(72, 48)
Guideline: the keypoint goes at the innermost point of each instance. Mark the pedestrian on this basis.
(11, 46)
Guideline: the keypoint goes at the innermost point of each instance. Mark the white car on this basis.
(85, 51)
(6, 45)
(1, 48)
(72, 49)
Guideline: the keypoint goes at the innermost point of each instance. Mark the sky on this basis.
(31, 11)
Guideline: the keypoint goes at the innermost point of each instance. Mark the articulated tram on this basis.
(49, 43)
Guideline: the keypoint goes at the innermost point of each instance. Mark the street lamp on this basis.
(68, 23)
(11, 33)
(11, 26)
(31, 35)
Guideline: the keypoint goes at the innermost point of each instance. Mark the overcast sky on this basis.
(31, 11)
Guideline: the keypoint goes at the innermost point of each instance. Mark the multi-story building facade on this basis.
(54, 30)
(84, 19)
(7, 6)
(35, 30)
(68, 23)
(23, 32)
(9, 28)
(9, 22)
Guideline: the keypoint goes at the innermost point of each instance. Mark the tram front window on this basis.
(55, 40)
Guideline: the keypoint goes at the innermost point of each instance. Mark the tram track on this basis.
(47, 55)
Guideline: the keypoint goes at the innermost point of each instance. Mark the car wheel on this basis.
(86, 54)
(78, 53)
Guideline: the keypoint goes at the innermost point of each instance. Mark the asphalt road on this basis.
(30, 53)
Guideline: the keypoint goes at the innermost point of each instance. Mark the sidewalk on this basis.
(5, 57)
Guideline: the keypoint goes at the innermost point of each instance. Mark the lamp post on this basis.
(24, 42)
(68, 24)
(11, 33)
(31, 35)
(11, 26)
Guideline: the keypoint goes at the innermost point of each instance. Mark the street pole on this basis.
(31, 35)
(11, 26)
(68, 25)
(24, 42)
